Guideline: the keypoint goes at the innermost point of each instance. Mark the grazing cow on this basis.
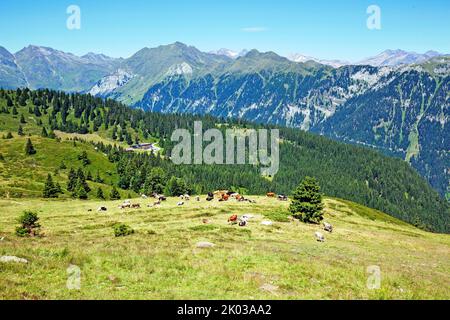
(220, 193)
(242, 222)
(182, 197)
(210, 196)
(327, 227)
(233, 219)
(187, 197)
(102, 208)
(205, 221)
(125, 205)
(136, 206)
(197, 198)
(144, 196)
(225, 197)
(319, 236)
(89, 210)
(282, 197)
(181, 203)
(157, 203)
(271, 194)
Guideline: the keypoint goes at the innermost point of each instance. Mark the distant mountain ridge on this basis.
(401, 106)
(399, 57)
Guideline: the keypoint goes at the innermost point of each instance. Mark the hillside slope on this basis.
(344, 171)
(162, 261)
(402, 112)
(400, 109)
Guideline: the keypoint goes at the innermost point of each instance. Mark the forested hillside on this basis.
(344, 171)
(402, 110)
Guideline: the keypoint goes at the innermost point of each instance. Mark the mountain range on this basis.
(396, 102)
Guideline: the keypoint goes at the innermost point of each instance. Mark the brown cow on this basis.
(233, 219)
(271, 194)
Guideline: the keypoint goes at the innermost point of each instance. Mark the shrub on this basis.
(29, 225)
(122, 230)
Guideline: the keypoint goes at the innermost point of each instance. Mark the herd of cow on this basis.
(220, 195)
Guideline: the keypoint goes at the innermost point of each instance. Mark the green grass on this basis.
(24, 176)
(161, 260)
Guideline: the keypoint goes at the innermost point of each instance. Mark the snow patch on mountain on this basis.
(179, 69)
(110, 83)
(300, 58)
(229, 53)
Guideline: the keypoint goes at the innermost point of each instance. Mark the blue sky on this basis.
(320, 28)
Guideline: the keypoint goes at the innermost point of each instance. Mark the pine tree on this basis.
(36, 111)
(29, 149)
(84, 158)
(50, 190)
(114, 195)
(73, 178)
(82, 180)
(307, 203)
(63, 166)
(9, 102)
(44, 133)
(58, 188)
(20, 131)
(98, 179)
(9, 135)
(80, 192)
(129, 140)
(22, 119)
(114, 133)
(14, 111)
(100, 194)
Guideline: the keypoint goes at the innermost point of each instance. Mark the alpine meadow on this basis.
(253, 172)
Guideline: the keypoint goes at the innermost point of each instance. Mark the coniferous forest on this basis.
(350, 172)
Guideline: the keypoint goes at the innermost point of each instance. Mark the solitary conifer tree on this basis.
(307, 203)
(29, 149)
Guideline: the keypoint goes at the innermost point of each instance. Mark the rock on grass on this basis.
(7, 259)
